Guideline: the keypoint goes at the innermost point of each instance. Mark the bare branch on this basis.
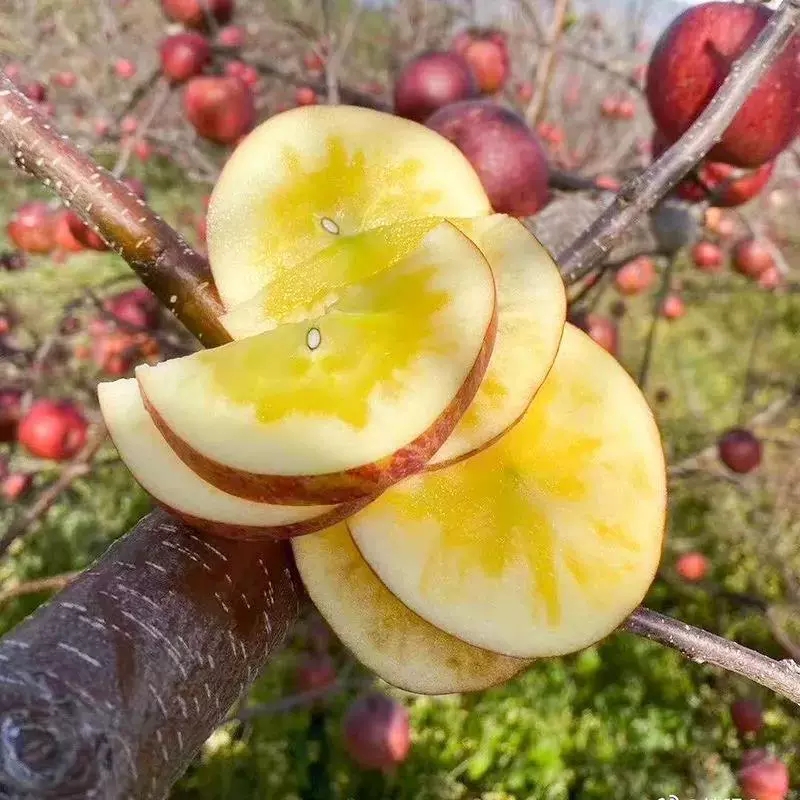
(544, 68)
(641, 193)
(52, 583)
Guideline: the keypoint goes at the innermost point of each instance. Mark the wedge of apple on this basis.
(339, 406)
(543, 543)
(178, 489)
(383, 634)
(317, 174)
(531, 310)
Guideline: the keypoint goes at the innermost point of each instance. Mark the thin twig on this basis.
(642, 192)
(53, 583)
(658, 312)
(546, 62)
(749, 373)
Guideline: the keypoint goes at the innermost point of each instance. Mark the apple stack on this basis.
(468, 483)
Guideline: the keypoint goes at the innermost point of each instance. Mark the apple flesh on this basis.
(221, 109)
(377, 732)
(503, 150)
(692, 59)
(382, 633)
(178, 489)
(543, 543)
(184, 55)
(431, 81)
(347, 406)
(53, 429)
(312, 176)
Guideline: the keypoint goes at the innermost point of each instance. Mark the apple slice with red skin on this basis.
(177, 488)
(386, 636)
(531, 310)
(334, 407)
(315, 175)
(545, 542)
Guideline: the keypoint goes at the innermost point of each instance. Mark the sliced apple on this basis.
(386, 636)
(334, 408)
(316, 174)
(173, 485)
(544, 542)
(531, 309)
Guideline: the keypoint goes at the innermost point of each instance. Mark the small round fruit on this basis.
(231, 36)
(636, 276)
(136, 307)
(32, 227)
(673, 307)
(184, 55)
(196, 13)
(752, 257)
(747, 716)
(377, 732)
(429, 82)
(725, 184)
(64, 238)
(601, 329)
(14, 486)
(53, 429)
(10, 410)
(708, 256)
(486, 52)
(764, 777)
(739, 450)
(770, 278)
(305, 96)
(315, 673)
(124, 68)
(220, 109)
(503, 150)
(692, 567)
(692, 59)
(84, 234)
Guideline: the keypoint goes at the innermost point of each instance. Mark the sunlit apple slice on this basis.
(531, 309)
(334, 408)
(386, 636)
(544, 542)
(173, 485)
(309, 176)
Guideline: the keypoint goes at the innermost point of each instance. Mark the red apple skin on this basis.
(192, 13)
(32, 228)
(220, 109)
(608, 183)
(14, 486)
(136, 307)
(692, 59)
(727, 192)
(305, 96)
(764, 778)
(35, 91)
(53, 429)
(315, 673)
(739, 450)
(486, 52)
(636, 276)
(673, 307)
(64, 238)
(430, 82)
(525, 92)
(83, 233)
(747, 716)
(128, 125)
(708, 256)
(124, 68)
(10, 411)
(752, 258)
(137, 187)
(231, 36)
(601, 329)
(770, 278)
(65, 79)
(184, 55)
(692, 567)
(503, 150)
(377, 732)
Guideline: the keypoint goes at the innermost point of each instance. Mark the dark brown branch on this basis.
(642, 192)
(160, 257)
(703, 647)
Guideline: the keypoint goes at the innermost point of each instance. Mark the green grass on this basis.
(625, 719)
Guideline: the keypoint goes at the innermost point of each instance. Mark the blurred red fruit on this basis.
(305, 96)
(83, 233)
(720, 222)
(728, 186)
(377, 732)
(137, 307)
(601, 329)
(673, 307)
(124, 68)
(184, 55)
(752, 257)
(525, 92)
(128, 125)
(101, 127)
(10, 410)
(231, 36)
(636, 276)
(747, 716)
(64, 238)
(486, 52)
(14, 486)
(220, 109)
(502, 149)
(313, 61)
(315, 673)
(136, 186)
(35, 90)
(739, 450)
(609, 107)
(607, 182)
(692, 567)
(626, 109)
(53, 429)
(770, 278)
(143, 150)
(431, 81)
(692, 59)
(32, 228)
(195, 13)
(764, 777)
(708, 256)
(65, 79)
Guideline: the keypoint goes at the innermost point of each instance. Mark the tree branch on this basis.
(642, 192)
(546, 61)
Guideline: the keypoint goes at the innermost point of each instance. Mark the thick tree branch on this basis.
(641, 193)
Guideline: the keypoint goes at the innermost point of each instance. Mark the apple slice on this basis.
(543, 543)
(173, 485)
(340, 406)
(531, 310)
(386, 636)
(314, 175)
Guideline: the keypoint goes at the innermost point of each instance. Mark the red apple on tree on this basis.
(739, 450)
(196, 13)
(124, 68)
(66, 79)
(603, 330)
(10, 410)
(220, 109)
(231, 36)
(429, 82)
(763, 777)
(748, 716)
(14, 485)
(502, 149)
(377, 732)
(525, 92)
(53, 429)
(315, 672)
(692, 59)
(35, 91)
(305, 96)
(692, 567)
(636, 276)
(673, 307)
(64, 238)
(708, 256)
(752, 257)
(184, 55)
(32, 227)
(83, 233)
(136, 307)
(486, 52)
